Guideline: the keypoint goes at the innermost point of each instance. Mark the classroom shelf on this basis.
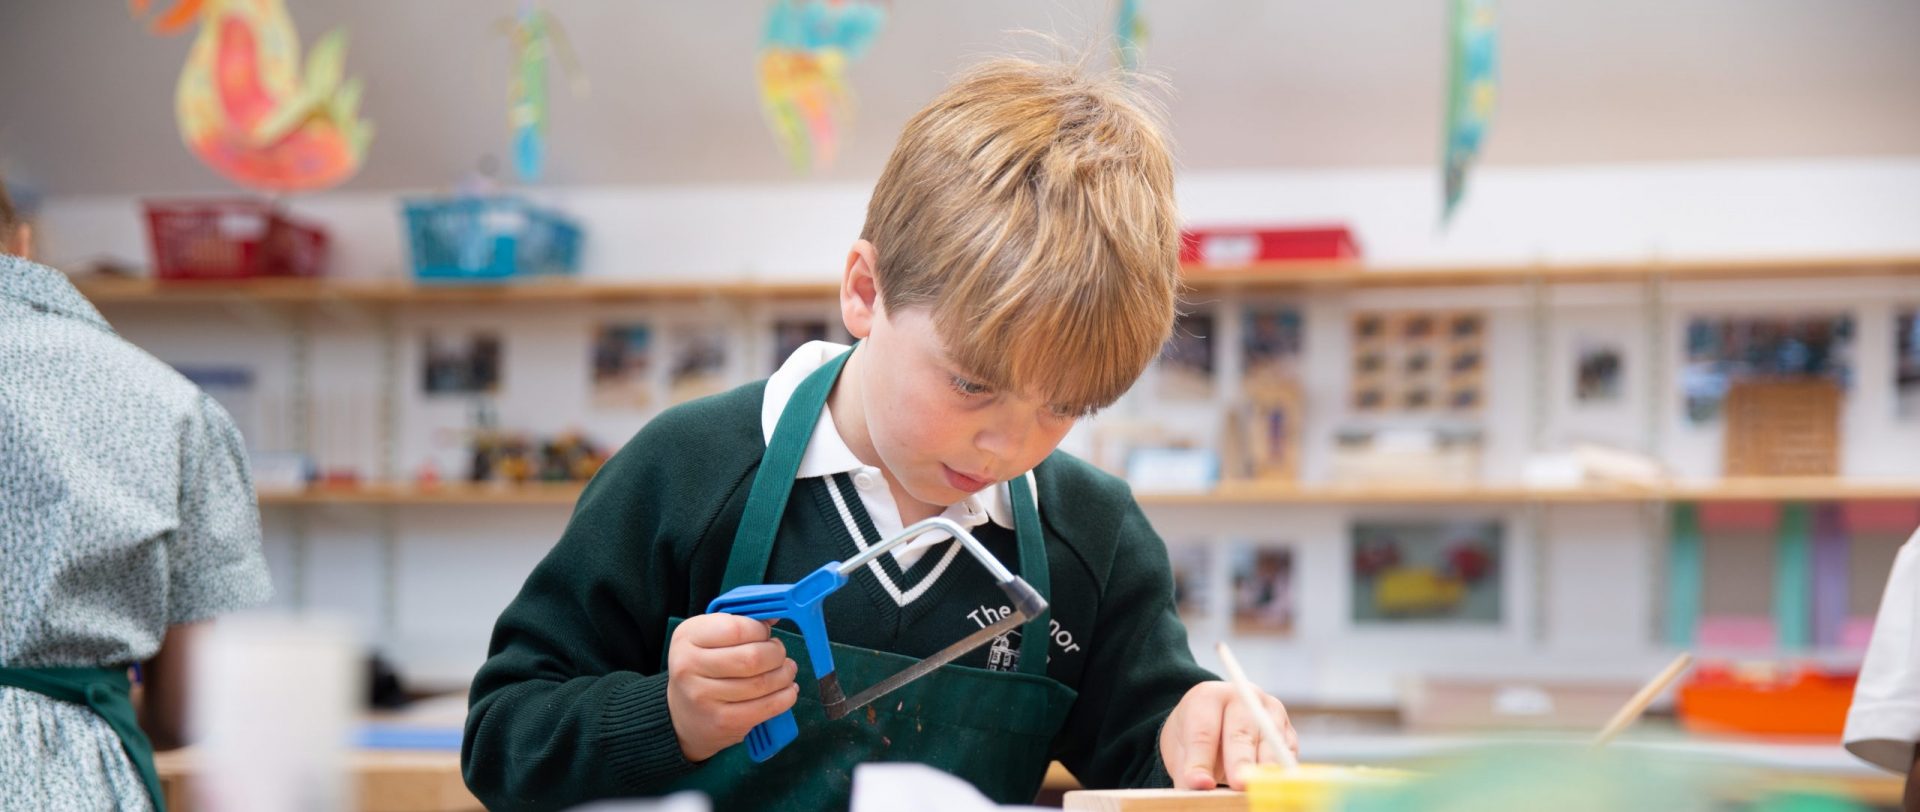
(118, 290)
(1266, 276)
(459, 493)
(1294, 274)
(1235, 493)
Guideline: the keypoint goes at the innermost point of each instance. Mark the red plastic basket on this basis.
(1235, 246)
(235, 238)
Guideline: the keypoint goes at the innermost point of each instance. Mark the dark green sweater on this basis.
(571, 704)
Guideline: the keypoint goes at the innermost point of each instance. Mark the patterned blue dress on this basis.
(125, 507)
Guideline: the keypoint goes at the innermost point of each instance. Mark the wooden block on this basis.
(1156, 800)
(1783, 427)
(388, 781)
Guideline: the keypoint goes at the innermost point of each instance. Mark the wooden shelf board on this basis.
(308, 291)
(1274, 275)
(544, 493)
(1310, 274)
(1232, 493)
(1259, 493)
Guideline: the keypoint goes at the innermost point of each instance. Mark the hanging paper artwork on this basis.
(248, 108)
(804, 54)
(1470, 94)
(537, 36)
(1129, 33)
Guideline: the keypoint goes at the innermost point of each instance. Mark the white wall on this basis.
(432, 596)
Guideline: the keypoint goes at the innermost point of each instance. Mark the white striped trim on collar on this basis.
(880, 573)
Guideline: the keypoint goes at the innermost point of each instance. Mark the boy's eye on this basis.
(1064, 413)
(969, 388)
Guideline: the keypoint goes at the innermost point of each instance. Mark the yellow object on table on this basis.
(1155, 800)
(1272, 788)
(1310, 787)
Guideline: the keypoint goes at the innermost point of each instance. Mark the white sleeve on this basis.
(1884, 723)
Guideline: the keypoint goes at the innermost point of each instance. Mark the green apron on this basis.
(106, 691)
(994, 729)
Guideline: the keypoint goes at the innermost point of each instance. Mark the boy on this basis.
(1883, 726)
(1017, 271)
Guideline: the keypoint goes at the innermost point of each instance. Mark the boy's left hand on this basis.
(1211, 739)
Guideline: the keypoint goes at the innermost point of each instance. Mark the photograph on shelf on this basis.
(1187, 363)
(1417, 363)
(1262, 436)
(1445, 572)
(1270, 339)
(1598, 368)
(697, 365)
(790, 334)
(1192, 577)
(622, 361)
(1906, 371)
(1724, 349)
(1262, 588)
(466, 364)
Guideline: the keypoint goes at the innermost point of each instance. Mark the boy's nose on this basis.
(1004, 438)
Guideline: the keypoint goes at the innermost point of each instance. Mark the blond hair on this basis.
(1030, 208)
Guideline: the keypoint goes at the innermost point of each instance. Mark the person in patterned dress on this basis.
(127, 520)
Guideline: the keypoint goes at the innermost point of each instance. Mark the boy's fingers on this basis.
(1200, 745)
(1239, 744)
(754, 711)
(1278, 711)
(747, 689)
(721, 630)
(742, 661)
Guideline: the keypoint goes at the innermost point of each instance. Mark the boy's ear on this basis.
(859, 292)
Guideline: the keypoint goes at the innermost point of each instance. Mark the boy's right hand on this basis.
(725, 674)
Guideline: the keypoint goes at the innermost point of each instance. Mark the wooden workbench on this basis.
(388, 781)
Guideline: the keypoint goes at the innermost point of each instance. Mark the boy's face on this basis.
(940, 435)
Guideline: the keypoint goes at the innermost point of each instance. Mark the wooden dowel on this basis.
(1638, 704)
(1242, 686)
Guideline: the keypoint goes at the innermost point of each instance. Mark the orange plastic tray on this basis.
(1794, 701)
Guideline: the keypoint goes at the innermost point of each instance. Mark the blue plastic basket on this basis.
(489, 238)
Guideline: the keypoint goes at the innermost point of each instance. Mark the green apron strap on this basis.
(107, 692)
(767, 501)
(1033, 568)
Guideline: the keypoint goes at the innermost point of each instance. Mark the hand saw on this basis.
(801, 603)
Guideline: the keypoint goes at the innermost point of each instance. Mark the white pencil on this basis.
(1269, 731)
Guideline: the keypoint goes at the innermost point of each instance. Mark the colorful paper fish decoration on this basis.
(250, 111)
(804, 53)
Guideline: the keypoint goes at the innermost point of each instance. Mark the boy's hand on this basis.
(724, 675)
(1212, 739)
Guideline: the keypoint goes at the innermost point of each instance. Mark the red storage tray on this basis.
(231, 238)
(1231, 246)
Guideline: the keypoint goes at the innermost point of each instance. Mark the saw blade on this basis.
(926, 666)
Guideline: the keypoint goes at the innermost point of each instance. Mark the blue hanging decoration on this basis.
(537, 36)
(1129, 33)
(1470, 94)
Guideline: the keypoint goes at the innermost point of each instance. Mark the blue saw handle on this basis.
(799, 603)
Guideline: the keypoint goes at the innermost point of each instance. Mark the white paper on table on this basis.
(689, 801)
(895, 786)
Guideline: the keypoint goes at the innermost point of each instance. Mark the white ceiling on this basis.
(86, 95)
